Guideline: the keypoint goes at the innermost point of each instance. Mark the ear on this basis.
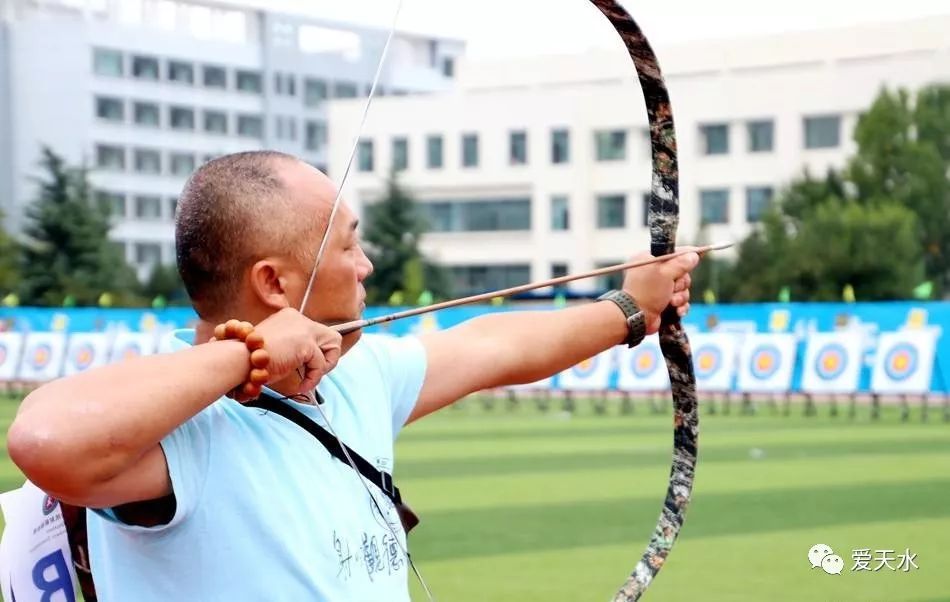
(269, 284)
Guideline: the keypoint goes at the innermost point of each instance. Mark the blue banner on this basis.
(870, 319)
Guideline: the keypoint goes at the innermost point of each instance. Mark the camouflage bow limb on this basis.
(663, 219)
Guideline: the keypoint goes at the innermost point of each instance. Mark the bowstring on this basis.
(311, 396)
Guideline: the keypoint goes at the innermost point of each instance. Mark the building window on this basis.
(761, 134)
(560, 213)
(112, 202)
(172, 210)
(148, 253)
(609, 281)
(285, 127)
(518, 148)
(478, 215)
(110, 157)
(647, 196)
(182, 118)
(757, 201)
(181, 72)
(250, 126)
(472, 279)
(147, 114)
(400, 154)
(470, 150)
(215, 77)
(249, 81)
(365, 155)
(145, 67)
(611, 211)
(285, 84)
(148, 161)
(715, 139)
(107, 62)
(714, 206)
(110, 109)
(216, 122)
(316, 135)
(314, 92)
(560, 146)
(344, 90)
(611, 145)
(557, 271)
(448, 67)
(434, 152)
(822, 131)
(148, 207)
(182, 164)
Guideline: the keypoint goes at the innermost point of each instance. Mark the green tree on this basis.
(881, 224)
(164, 281)
(66, 251)
(393, 230)
(9, 273)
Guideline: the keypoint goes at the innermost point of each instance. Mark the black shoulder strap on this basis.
(382, 480)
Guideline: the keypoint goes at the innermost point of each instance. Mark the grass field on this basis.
(519, 505)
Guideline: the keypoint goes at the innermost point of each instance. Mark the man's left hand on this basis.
(658, 285)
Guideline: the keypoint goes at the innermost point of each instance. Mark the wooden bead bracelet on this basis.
(258, 375)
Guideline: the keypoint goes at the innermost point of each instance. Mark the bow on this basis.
(663, 220)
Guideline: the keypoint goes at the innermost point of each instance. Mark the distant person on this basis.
(196, 496)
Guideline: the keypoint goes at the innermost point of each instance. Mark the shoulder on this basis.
(383, 350)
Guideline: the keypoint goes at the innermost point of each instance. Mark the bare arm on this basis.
(517, 347)
(522, 347)
(92, 439)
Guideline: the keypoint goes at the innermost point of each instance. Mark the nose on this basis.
(365, 266)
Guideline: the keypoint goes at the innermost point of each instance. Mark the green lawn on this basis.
(520, 505)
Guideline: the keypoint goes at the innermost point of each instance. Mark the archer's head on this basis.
(247, 232)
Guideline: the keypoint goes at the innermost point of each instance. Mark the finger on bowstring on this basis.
(314, 371)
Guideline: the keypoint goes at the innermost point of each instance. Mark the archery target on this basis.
(642, 368)
(708, 360)
(129, 345)
(86, 350)
(904, 362)
(901, 361)
(3, 353)
(591, 374)
(83, 356)
(10, 345)
(644, 361)
(832, 362)
(43, 356)
(766, 363)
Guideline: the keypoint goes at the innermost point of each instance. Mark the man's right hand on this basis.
(294, 341)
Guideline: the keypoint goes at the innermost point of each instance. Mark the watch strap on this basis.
(636, 323)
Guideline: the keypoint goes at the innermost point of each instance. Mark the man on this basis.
(258, 510)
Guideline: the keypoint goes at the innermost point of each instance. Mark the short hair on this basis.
(228, 216)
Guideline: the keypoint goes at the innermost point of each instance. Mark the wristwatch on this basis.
(636, 323)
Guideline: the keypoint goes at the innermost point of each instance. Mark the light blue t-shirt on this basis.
(264, 511)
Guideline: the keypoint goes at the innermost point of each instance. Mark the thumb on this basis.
(678, 267)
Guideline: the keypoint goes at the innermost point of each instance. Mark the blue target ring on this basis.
(901, 361)
(708, 361)
(765, 361)
(831, 361)
(585, 368)
(644, 362)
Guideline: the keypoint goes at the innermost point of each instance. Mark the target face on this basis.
(83, 356)
(708, 361)
(765, 362)
(644, 362)
(41, 356)
(901, 361)
(585, 368)
(831, 361)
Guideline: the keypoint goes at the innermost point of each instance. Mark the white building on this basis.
(146, 90)
(539, 167)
